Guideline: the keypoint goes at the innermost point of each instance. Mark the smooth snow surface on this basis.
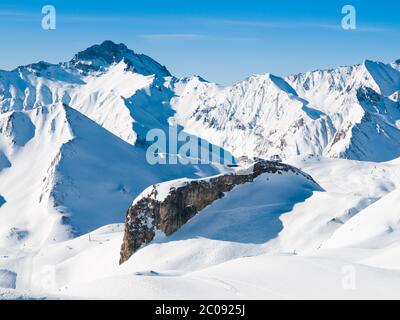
(263, 240)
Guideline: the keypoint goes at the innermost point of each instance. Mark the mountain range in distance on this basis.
(73, 162)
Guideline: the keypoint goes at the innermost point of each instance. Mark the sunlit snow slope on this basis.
(64, 173)
(73, 158)
(267, 240)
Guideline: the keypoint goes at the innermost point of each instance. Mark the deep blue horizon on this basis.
(221, 41)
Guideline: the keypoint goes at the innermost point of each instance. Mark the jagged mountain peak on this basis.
(101, 56)
(108, 51)
(385, 77)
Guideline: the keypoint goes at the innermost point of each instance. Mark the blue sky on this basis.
(223, 41)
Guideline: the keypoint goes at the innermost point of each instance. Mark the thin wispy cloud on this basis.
(192, 20)
(7, 13)
(95, 18)
(284, 24)
(174, 36)
(277, 24)
(193, 36)
(18, 16)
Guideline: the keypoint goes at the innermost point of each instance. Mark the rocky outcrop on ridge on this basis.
(168, 206)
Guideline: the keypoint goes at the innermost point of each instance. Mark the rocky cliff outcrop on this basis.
(166, 207)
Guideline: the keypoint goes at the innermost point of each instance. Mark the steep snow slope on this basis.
(261, 116)
(97, 81)
(37, 84)
(345, 112)
(67, 171)
(62, 174)
(97, 174)
(362, 102)
(102, 98)
(26, 184)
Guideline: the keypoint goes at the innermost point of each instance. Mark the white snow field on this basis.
(269, 240)
(73, 159)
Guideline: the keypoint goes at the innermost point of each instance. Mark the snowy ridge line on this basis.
(333, 112)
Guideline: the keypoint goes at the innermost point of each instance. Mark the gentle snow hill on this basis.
(280, 259)
(376, 226)
(259, 277)
(351, 187)
(237, 224)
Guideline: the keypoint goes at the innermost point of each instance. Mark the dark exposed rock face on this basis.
(148, 214)
(108, 52)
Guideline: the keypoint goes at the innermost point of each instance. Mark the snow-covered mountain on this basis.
(98, 82)
(344, 112)
(64, 173)
(350, 112)
(73, 158)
